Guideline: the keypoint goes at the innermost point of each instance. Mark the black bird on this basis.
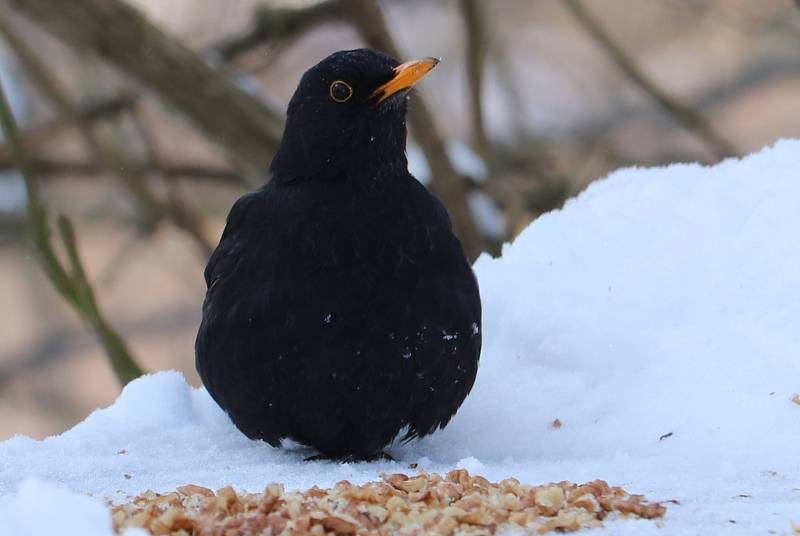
(340, 308)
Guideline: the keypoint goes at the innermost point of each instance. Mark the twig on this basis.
(107, 155)
(49, 167)
(755, 74)
(275, 23)
(369, 20)
(122, 363)
(200, 172)
(89, 113)
(118, 261)
(476, 39)
(72, 284)
(177, 210)
(119, 33)
(520, 124)
(682, 114)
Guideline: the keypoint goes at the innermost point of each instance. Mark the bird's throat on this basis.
(372, 159)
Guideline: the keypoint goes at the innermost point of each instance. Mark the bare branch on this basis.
(275, 23)
(48, 168)
(73, 286)
(110, 157)
(682, 114)
(244, 126)
(102, 152)
(176, 209)
(89, 113)
(116, 350)
(476, 39)
(755, 74)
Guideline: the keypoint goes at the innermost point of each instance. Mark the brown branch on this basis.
(89, 113)
(12, 227)
(107, 155)
(102, 152)
(181, 214)
(276, 23)
(71, 283)
(755, 74)
(244, 126)
(476, 40)
(48, 168)
(200, 172)
(45, 167)
(682, 114)
(369, 20)
(497, 50)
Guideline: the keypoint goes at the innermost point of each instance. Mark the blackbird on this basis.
(341, 311)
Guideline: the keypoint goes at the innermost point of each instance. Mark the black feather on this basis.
(340, 307)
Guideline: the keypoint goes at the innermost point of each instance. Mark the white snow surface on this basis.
(659, 301)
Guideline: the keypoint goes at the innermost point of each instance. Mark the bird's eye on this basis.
(341, 91)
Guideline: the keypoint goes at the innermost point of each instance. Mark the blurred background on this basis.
(143, 121)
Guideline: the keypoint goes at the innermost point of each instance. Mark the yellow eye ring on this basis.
(336, 91)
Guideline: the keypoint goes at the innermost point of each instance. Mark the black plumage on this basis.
(340, 308)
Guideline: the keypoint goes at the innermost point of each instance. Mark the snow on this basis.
(44, 508)
(660, 301)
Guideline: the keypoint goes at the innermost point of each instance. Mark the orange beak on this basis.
(405, 76)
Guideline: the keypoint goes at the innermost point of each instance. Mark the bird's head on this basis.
(348, 115)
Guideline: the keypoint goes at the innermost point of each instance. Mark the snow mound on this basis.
(660, 300)
(43, 508)
(656, 316)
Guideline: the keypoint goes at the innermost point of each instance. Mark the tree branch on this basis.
(682, 114)
(244, 126)
(89, 113)
(274, 23)
(50, 168)
(755, 74)
(73, 285)
(476, 39)
(175, 208)
(51, 89)
(110, 157)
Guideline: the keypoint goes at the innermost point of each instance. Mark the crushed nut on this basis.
(457, 503)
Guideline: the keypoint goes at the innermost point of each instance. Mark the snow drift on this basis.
(656, 316)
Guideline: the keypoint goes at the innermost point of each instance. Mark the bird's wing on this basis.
(442, 216)
(229, 351)
(225, 255)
